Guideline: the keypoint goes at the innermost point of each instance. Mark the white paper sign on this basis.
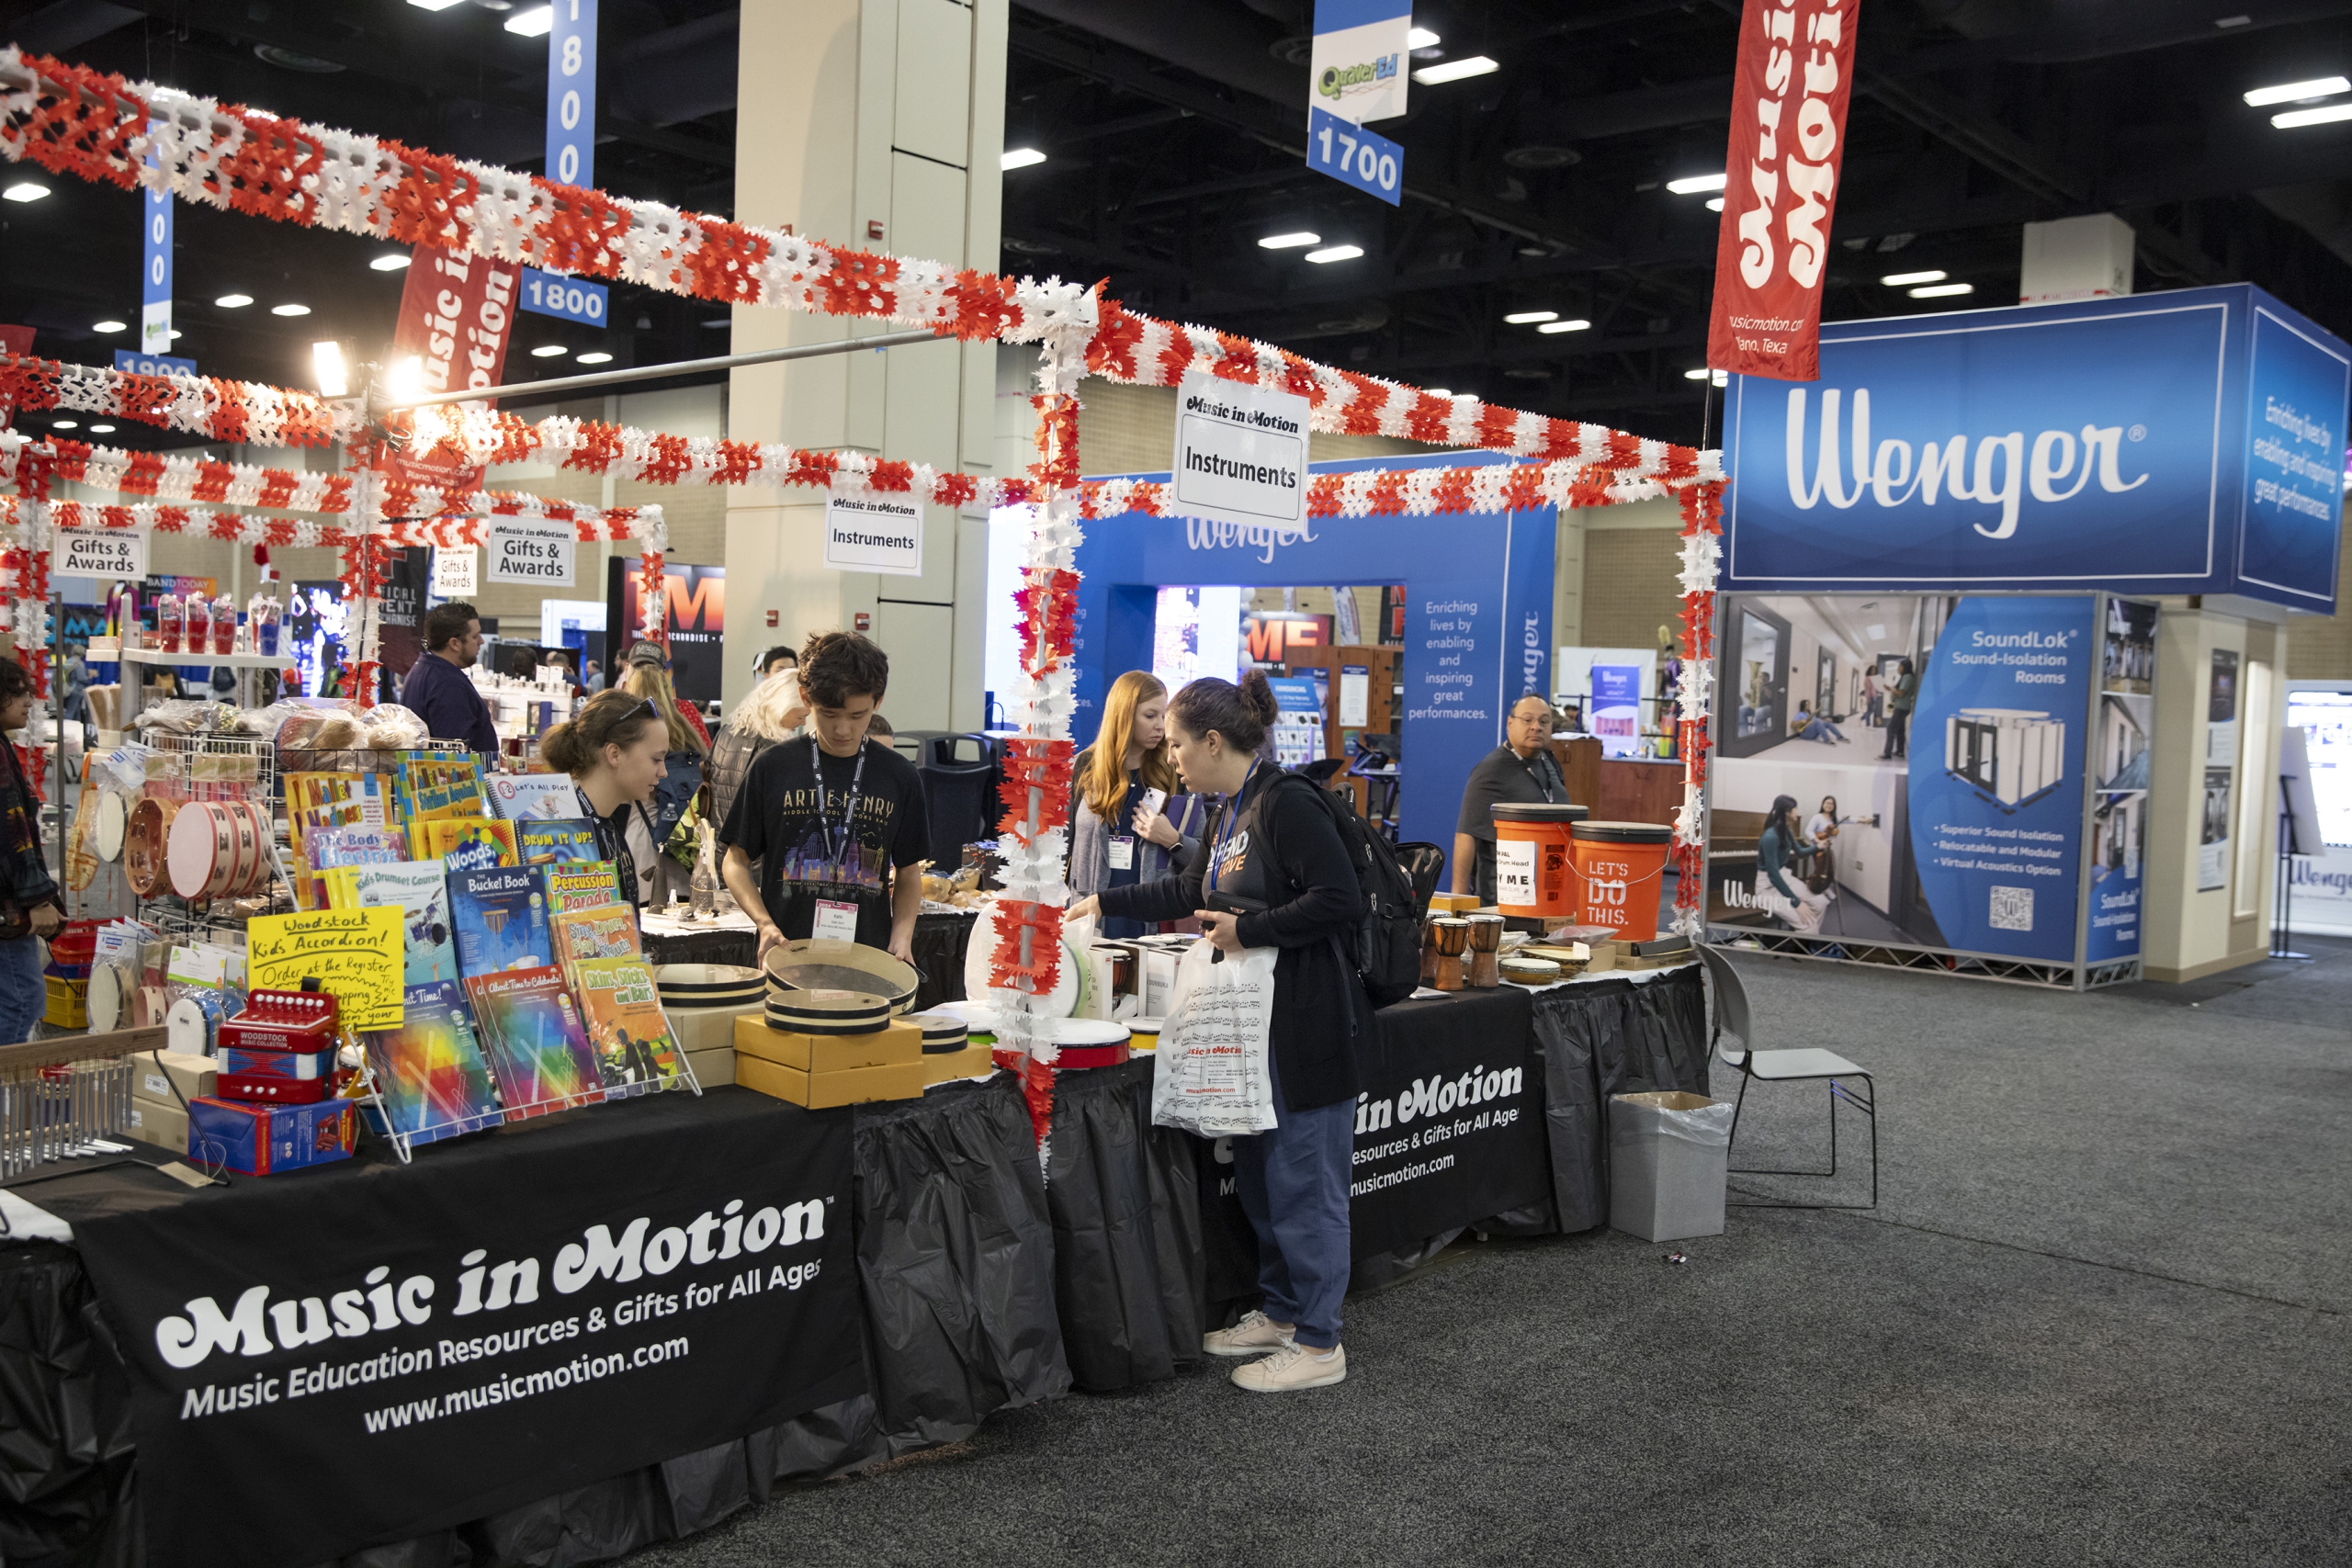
(453, 571)
(1358, 72)
(874, 533)
(1355, 696)
(530, 549)
(115, 552)
(1241, 453)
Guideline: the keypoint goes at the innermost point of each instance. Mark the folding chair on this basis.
(1733, 1017)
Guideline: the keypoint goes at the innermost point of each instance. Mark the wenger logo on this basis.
(2001, 472)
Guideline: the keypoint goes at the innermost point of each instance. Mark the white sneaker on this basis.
(1253, 1336)
(1293, 1367)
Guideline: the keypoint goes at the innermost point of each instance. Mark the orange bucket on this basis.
(1618, 867)
(1532, 861)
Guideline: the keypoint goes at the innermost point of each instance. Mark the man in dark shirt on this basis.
(437, 690)
(1520, 772)
(827, 818)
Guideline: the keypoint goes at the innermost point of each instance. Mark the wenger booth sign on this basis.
(1788, 133)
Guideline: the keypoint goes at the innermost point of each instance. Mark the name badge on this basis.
(1123, 852)
(836, 920)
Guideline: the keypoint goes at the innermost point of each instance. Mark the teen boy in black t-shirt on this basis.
(828, 817)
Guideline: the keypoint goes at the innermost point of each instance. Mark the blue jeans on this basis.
(1293, 1183)
(23, 997)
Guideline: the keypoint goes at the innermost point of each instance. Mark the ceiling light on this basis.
(1289, 242)
(1020, 158)
(1454, 71)
(1722, 378)
(233, 301)
(1690, 185)
(533, 23)
(1905, 279)
(433, 5)
(2298, 92)
(289, 310)
(109, 326)
(406, 378)
(1943, 290)
(548, 351)
(597, 357)
(1573, 326)
(65, 425)
(173, 335)
(1714, 204)
(326, 361)
(102, 430)
(1438, 391)
(398, 259)
(25, 190)
(1335, 253)
(2288, 121)
(1529, 318)
(1421, 38)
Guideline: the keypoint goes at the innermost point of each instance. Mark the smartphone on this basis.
(1152, 800)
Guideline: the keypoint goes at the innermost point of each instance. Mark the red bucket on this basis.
(1533, 877)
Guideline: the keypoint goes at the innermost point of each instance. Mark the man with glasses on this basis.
(1520, 772)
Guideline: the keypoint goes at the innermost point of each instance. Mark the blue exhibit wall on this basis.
(1478, 626)
(2184, 442)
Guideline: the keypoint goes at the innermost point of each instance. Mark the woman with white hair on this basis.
(775, 711)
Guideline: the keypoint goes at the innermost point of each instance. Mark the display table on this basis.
(941, 936)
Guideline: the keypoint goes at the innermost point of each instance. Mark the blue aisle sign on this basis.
(571, 94)
(130, 362)
(1997, 773)
(2187, 442)
(552, 294)
(1355, 156)
(1477, 621)
(155, 272)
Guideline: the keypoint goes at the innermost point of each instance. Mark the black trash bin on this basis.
(958, 772)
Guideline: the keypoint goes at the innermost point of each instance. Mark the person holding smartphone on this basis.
(1274, 873)
(1127, 821)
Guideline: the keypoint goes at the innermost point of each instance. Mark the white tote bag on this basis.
(1214, 1077)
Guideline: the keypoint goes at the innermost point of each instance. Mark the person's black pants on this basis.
(1898, 735)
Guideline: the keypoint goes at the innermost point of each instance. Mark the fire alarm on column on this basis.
(865, 621)
(771, 620)
(874, 228)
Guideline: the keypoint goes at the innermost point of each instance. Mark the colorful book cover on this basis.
(431, 1069)
(500, 916)
(537, 1052)
(422, 893)
(566, 839)
(465, 843)
(581, 885)
(619, 1007)
(316, 801)
(439, 783)
(532, 797)
(605, 931)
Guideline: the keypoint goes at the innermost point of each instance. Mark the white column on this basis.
(876, 124)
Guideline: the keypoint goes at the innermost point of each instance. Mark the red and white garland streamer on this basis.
(644, 523)
(172, 476)
(1702, 508)
(237, 412)
(1436, 493)
(588, 526)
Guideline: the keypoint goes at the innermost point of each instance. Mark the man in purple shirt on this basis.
(437, 689)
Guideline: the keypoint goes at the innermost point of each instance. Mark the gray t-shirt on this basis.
(1502, 778)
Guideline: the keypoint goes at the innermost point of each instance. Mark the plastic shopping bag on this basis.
(1214, 1077)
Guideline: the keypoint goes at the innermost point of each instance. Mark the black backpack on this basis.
(1388, 942)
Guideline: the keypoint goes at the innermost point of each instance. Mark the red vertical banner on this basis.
(1788, 139)
(456, 318)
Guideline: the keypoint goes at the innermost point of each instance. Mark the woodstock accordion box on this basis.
(266, 1140)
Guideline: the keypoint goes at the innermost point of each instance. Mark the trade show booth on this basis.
(2004, 617)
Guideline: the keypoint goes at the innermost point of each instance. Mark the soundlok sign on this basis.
(2190, 442)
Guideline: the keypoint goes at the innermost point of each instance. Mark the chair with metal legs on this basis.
(1805, 1064)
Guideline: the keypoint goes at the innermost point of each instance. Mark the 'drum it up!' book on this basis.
(501, 920)
(434, 1082)
(531, 1033)
(627, 1028)
(570, 840)
(418, 889)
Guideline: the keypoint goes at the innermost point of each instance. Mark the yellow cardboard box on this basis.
(969, 1062)
(854, 1085)
(190, 1070)
(894, 1045)
(712, 1068)
(165, 1127)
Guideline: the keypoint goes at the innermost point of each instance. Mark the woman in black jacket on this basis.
(1273, 853)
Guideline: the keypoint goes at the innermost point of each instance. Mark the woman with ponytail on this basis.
(1114, 839)
(1278, 876)
(614, 750)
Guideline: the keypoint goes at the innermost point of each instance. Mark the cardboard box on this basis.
(192, 1072)
(1454, 903)
(896, 1044)
(165, 1127)
(263, 1140)
(902, 1080)
(709, 1029)
(712, 1068)
(968, 1063)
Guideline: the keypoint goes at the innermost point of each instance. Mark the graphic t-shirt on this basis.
(775, 820)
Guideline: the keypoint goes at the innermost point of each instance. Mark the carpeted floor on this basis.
(2100, 1318)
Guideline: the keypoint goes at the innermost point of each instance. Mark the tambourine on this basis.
(201, 851)
(114, 814)
(146, 844)
(252, 833)
(104, 999)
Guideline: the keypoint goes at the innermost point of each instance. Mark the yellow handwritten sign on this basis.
(354, 955)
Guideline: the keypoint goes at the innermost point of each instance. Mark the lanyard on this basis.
(835, 844)
(1535, 771)
(1224, 828)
